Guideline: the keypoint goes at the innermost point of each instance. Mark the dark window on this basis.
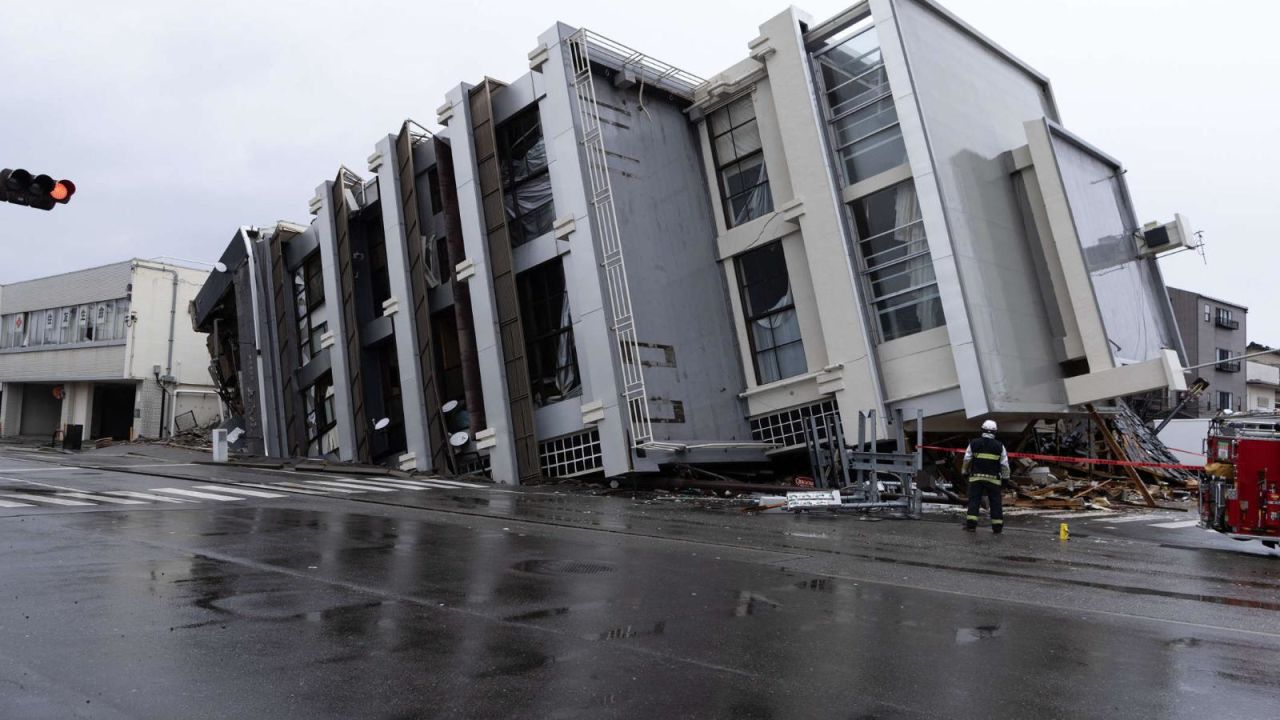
(897, 270)
(770, 314)
(321, 420)
(308, 286)
(448, 356)
(739, 158)
(548, 333)
(433, 190)
(526, 183)
(1225, 400)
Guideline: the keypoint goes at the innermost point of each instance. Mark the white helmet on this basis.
(989, 426)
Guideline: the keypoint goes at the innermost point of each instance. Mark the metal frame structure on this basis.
(832, 460)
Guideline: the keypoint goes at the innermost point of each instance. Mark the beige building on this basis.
(108, 349)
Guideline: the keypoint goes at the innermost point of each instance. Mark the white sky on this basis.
(180, 121)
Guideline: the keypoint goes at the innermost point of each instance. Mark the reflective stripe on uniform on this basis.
(971, 517)
(997, 522)
(985, 478)
(987, 456)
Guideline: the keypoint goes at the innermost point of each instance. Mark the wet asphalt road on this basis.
(346, 601)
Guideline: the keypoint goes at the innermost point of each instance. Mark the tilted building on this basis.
(610, 265)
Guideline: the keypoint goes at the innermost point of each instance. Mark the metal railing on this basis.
(1223, 321)
(1231, 366)
(609, 237)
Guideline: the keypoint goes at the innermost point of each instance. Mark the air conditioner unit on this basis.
(1157, 239)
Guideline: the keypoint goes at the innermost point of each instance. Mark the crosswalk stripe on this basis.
(146, 496)
(455, 483)
(1026, 511)
(1178, 524)
(387, 484)
(100, 498)
(352, 486)
(296, 487)
(1080, 515)
(48, 499)
(277, 486)
(396, 481)
(240, 491)
(193, 493)
(8, 504)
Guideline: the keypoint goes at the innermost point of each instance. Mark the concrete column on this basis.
(591, 319)
(10, 408)
(502, 454)
(406, 330)
(326, 234)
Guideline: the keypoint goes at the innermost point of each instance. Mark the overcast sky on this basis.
(180, 121)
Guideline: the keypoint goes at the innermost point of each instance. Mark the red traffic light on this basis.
(62, 191)
(41, 192)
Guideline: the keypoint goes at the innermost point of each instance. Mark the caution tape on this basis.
(1079, 460)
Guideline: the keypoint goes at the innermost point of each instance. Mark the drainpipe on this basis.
(467, 352)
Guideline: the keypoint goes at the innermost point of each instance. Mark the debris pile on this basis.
(1098, 459)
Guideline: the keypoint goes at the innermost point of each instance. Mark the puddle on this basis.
(964, 636)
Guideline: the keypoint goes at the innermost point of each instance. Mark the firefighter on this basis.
(986, 464)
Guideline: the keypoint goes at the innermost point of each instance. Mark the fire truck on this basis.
(1240, 496)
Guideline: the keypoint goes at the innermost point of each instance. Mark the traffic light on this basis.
(38, 191)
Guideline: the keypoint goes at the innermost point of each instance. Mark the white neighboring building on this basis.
(108, 348)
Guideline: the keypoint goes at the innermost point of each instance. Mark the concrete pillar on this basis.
(326, 234)
(10, 408)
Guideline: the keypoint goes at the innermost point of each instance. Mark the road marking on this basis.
(336, 484)
(1081, 515)
(239, 491)
(1140, 517)
(193, 493)
(305, 490)
(299, 491)
(8, 504)
(373, 484)
(455, 483)
(1176, 525)
(100, 498)
(1025, 511)
(147, 496)
(47, 499)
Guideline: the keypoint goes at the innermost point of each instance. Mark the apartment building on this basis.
(108, 349)
(609, 265)
(909, 225)
(1262, 378)
(1213, 332)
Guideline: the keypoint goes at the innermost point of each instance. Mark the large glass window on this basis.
(897, 269)
(321, 418)
(548, 333)
(739, 158)
(308, 286)
(103, 321)
(864, 122)
(526, 183)
(770, 314)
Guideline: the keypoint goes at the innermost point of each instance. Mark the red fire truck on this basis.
(1240, 496)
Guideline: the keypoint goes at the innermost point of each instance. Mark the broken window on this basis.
(897, 270)
(448, 356)
(739, 158)
(770, 313)
(308, 286)
(548, 333)
(526, 182)
(321, 418)
(864, 122)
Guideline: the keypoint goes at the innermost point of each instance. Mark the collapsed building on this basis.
(609, 265)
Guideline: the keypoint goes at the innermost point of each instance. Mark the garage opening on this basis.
(112, 411)
(41, 411)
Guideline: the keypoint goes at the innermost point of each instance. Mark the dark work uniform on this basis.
(987, 465)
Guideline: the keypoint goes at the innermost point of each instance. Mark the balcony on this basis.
(1226, 322)
(1230, 366)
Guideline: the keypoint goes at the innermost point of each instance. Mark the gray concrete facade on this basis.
(1210, 326)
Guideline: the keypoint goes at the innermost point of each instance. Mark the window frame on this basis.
(510, 185)
(749, 319)
(306, 302)
(535, 337)
(722, 183)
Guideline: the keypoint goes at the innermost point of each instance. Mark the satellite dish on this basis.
(449, 407)
(381, 424)
(220, 267)
(459, 439)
